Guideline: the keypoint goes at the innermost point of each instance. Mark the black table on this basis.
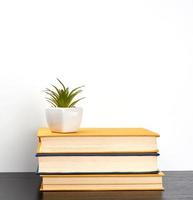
(25, 186)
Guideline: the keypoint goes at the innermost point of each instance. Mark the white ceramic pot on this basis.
(64, 119)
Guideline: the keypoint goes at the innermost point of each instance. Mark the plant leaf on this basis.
(61, 83)
(73, 103)
(72, 91)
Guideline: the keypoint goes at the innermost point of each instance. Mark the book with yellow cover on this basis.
(103, 182)
(98, 140)
(102, 187)
(104, 179)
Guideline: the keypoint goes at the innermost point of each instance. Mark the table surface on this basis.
(25, 186)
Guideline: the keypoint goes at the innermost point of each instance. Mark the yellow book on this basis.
(101, 187)
(102, 179)
(98, 140)
(45, 132)
(102, 182)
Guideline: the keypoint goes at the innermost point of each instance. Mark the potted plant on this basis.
(63, 116)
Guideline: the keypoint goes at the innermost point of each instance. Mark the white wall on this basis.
(134, 57)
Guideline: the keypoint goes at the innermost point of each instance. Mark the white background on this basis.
(134, 57)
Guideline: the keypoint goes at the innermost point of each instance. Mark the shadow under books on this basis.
(107, 195)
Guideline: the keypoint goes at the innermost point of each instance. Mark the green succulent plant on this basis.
(63, 96)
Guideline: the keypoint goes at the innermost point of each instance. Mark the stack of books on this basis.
(99, 159)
